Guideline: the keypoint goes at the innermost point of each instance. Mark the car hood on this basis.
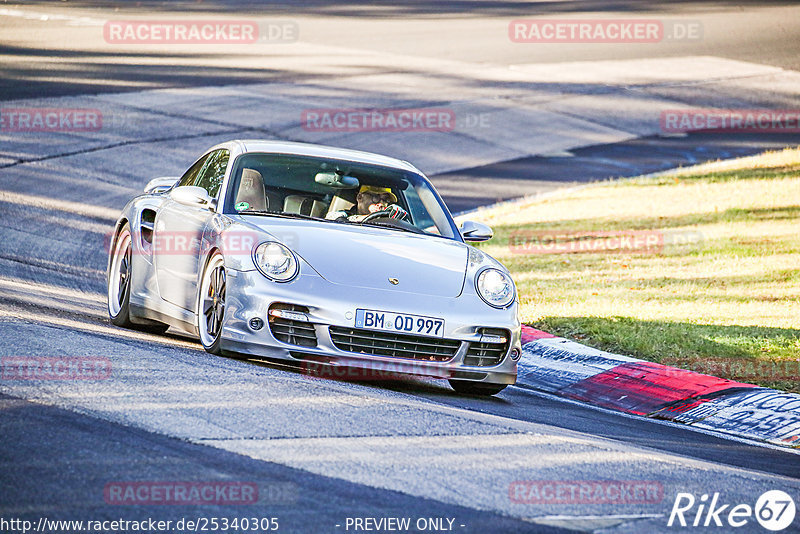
(360, 256)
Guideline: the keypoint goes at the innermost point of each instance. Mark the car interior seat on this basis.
(251, 190)
(300, 204)
(319, 208)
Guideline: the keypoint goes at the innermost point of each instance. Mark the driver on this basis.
(370, 199)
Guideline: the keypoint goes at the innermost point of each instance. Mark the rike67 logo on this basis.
(774, 510)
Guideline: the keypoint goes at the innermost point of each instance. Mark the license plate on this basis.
(399, 322)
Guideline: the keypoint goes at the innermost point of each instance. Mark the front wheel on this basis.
(466, 387)
(211, 304)
(119, 278)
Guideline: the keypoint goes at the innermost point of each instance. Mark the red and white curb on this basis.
(569, 369)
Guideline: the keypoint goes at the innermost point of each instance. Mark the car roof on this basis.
(308, 149)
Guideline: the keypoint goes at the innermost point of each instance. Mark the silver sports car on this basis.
(317, 255)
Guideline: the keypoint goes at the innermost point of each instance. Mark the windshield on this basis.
(337, 191)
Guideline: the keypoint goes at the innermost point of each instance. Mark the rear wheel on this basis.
(119, 286)
(211, 304)
(466, 387)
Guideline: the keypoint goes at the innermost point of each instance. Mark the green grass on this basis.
(721, 296)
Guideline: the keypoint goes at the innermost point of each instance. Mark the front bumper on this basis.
(250, 295)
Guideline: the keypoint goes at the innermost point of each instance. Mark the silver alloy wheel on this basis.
(211, 302)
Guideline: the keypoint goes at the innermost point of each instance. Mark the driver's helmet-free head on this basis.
(374, 189)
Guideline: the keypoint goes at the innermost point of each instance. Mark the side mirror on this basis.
(159, 185)
(475, 231)
(191, 195)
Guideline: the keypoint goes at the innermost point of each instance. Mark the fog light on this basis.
(515, 354)
(256, 323)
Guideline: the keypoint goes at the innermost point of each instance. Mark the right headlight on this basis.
(275, 261)
(495, 287)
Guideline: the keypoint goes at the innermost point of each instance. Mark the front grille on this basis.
(482, 354)
(290, 331)
(393, 345)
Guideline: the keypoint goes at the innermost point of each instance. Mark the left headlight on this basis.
(275, 261)
(495, 287)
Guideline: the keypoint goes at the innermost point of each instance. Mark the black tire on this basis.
(119, 294)
(119, 289)
(211, 304)
(466, 387)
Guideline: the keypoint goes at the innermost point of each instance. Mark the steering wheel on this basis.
(382, 213)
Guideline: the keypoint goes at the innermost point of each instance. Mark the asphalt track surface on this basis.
(320, 451)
